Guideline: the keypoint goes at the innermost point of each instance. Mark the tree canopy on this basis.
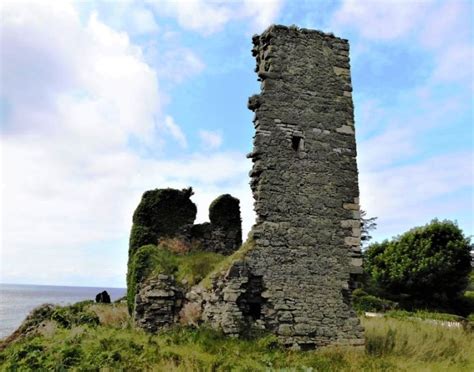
(428, 263)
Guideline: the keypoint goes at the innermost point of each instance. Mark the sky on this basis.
(101, 101)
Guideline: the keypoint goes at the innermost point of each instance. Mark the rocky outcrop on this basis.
(103, 298)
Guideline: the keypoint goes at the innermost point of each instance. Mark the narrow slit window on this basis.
(297, 143)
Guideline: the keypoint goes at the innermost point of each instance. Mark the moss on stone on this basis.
(152, 260)
(227, 262)
(224, 211)
(165, 211)
(140, 236)
(162, 213)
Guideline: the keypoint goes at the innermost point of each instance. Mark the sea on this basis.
(17, 300)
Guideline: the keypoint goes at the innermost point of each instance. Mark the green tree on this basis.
(427, 265)
(367, 224)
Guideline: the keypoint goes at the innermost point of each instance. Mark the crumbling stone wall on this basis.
(170, 213)
(304, 182)
(157, 303)
(224, 233)
(162, 213)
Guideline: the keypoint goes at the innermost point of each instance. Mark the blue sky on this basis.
(103, 100)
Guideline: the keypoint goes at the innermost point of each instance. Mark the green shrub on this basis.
(75, 315)
(470, 285)
(428, 264)
(465, 305)
(425, 315)
(362, 302)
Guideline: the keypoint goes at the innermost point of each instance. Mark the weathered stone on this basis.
(345, 129)
(304, 182)
(350, 240)
(102, 297)
(295, 280)
(157, 304)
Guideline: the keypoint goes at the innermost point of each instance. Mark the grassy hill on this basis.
(92, 337)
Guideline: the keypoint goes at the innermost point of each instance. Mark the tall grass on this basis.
(391, 345)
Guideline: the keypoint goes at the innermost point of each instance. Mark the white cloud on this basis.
(446, 23)
(177, 64)
(77, 93)
(210, 139)
(175, 131)
(393, 144)
(455, 64)
(443, 28)
(210, 17)
(197, 15)
(142, 21)
(262, 12)
(409, 195)
(381, 20)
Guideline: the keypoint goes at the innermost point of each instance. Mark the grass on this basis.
(227, 261)
(392, 345)
(425, 315)
(188, 268)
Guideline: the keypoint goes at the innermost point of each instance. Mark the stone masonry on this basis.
(294, 275)
(296, 279)
(157, 303)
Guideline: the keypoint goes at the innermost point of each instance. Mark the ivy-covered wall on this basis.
(163, 234)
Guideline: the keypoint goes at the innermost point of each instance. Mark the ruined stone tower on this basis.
(304, 181)
(295, 280)
(293, 276)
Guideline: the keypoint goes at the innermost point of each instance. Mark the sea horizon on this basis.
(17, 300)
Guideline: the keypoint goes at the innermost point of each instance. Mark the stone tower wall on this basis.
(305, 186)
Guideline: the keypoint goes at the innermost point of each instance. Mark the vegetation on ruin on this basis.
(225, 211)
(227, 262)
(392, 344)
(161, 213)
(170, 257)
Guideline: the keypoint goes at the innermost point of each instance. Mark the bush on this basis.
(429, 264)
(74, 315)
(470, 286)
(425, 315)
(363, 301)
